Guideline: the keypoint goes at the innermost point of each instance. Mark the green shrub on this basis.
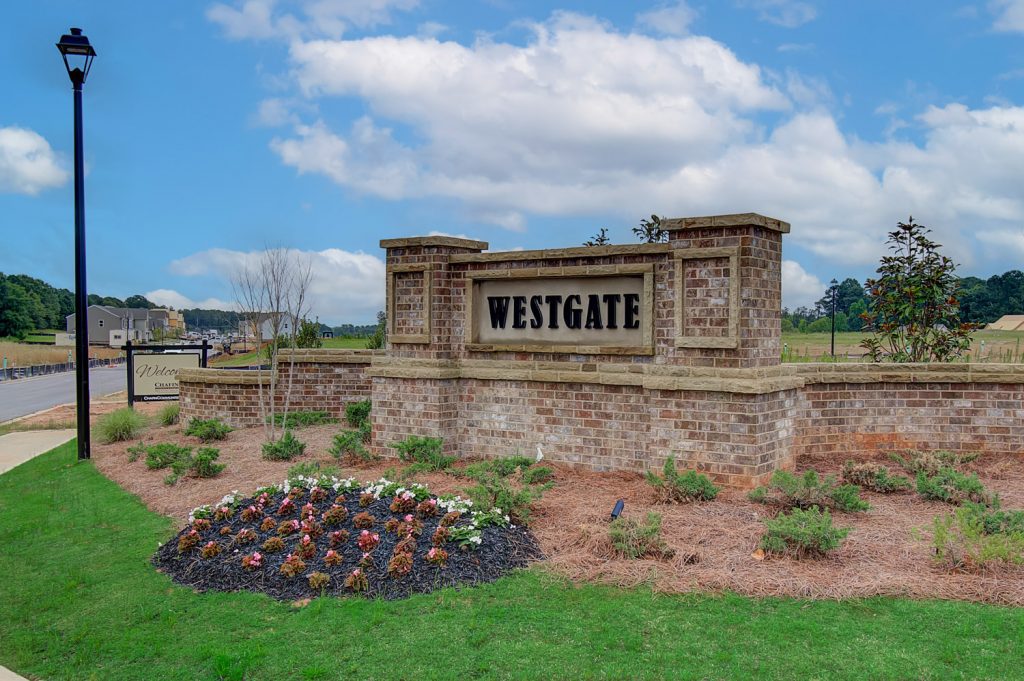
(208, 430)
(357, 413)
(165, 454)
(135, 451)
(962, 542)
(953, 487)
(929, 463)
(537, 475)
(501, 467)
(301, 419)
(634, 539)
(168, 416)
(348, 445)
(681, 487)
(874, 477)
(312, 469)
(118, 426)
(995, 521)
(516, 501)
(789, 491)
(203, 466)
(802, 533)
(425, 451)
(285, 449)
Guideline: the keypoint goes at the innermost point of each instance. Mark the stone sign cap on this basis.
(451, 241)
(734, 220)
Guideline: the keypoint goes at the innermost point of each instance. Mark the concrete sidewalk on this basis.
(17, 448)
(7, 675)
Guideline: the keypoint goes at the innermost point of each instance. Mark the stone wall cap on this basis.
(732, 220)
(570, 253)
(451, 241)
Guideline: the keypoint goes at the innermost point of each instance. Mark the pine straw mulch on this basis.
(888, 551)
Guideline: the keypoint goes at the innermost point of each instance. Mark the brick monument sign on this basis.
(606, 356)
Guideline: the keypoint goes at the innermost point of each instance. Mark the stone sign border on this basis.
(646, 307)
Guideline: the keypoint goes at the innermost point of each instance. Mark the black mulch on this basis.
(502, 549)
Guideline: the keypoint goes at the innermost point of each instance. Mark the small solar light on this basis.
(617, 511)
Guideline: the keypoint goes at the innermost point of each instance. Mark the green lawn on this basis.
(999, 346)
(79, 600)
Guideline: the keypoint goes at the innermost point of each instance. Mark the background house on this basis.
(115, 325)
(262, 325)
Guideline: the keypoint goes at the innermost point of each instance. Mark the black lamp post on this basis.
(78, 55)
(834, 285)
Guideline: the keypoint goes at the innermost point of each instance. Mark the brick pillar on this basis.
(727, 290)
(412, 396)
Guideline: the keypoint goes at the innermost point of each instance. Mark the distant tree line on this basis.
(982, 301)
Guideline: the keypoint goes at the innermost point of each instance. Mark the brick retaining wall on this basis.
(324, 380)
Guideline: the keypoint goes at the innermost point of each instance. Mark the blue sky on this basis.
(215, 129)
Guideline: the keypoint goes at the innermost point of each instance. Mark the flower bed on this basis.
(310, 537)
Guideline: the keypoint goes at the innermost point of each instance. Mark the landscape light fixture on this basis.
(78, 55)
(617, 511)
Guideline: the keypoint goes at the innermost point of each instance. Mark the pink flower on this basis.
(364, 533)
(331, 553)
(257, 557)
(408, 518)
(223, 509)
(356, 572)
(305, 539)
(431, 553)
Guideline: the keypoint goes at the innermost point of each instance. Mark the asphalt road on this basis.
(29, 395)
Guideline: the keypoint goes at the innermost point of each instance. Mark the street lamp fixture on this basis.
(81, 53)
(78, 55)
(834, 286)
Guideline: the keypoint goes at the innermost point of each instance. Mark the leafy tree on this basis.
(599, 239)
(15, 309)
(380, 335)
(847, 293)
(855, 322)
(650, 231)
(139, 301)
(308, 335)
(913, 309)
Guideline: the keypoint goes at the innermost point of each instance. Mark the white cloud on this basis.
(275, 112)
(346, 287)
(292, 19)
(1004, 241)
(785, 13)
(171, 298)
(27, 163)
(795, 47)
(435, 232)
(1009, 15)
(674, 19)
(540, 128)
(799, 287)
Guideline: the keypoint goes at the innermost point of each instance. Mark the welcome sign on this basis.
(154, 376)
(569, 311)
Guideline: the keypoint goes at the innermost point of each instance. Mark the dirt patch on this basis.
(888, 551)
